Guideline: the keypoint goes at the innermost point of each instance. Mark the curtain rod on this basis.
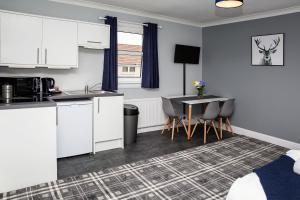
(128, 22)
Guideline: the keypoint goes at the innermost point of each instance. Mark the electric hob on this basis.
(29, 99)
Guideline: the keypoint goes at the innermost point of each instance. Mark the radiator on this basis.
(151, 112)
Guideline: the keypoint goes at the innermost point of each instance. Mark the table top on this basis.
(191, 100)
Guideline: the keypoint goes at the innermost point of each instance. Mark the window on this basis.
(132, 69)
(130, 39)
(124, 70)
(129, 55)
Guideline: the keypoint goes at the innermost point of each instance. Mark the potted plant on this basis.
(200, 86)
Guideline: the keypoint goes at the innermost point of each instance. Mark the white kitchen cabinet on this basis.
(59, 44)
(108, 122)
(21, 40)
(27, 147)
(29, 41)
(93, 36)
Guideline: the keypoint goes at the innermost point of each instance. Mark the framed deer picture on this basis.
(268, 50)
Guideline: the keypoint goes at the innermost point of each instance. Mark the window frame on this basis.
(130, 82)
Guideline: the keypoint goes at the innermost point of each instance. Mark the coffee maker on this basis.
(48, 86)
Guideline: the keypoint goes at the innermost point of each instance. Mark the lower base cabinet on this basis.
(108, 123)
(27, 147)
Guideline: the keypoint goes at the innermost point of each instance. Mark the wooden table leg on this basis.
(221, 127)
(189, 122)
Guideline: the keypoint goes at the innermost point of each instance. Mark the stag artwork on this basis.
(267, 53)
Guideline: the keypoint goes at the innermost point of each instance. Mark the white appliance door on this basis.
(75, 128)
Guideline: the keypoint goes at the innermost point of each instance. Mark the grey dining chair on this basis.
(211, 112)
(225, 113)
(175, 117)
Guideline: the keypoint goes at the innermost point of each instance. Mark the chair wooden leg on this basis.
(177, 128)
(229, 125)
(194, 129)
(226, 126)
(182, 121)
(205, 132)
(216, 132)
(208, 129)
(167, 125)
(221, 127)
(173, 128)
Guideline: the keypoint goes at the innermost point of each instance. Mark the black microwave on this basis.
(22, 86)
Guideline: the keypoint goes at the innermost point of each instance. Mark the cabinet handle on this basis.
(94, 42)
(46, 52)
(38, 55)
(98, 105)
(56, 116)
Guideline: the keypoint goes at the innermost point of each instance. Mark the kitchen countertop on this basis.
(50, 103)
(80, 94)
(66, 95)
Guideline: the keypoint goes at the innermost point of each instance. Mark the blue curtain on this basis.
(110, 70)
(150, 73)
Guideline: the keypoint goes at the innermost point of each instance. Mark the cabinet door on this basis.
(21, 39)
(60, 43)
(27, 147)
(108, 118)
(93, 36)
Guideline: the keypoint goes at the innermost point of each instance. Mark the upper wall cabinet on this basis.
(60, 44)
(93, 36)
(29, 41)
(21, 40)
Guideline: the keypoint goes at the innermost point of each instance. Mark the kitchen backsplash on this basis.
(88, 73)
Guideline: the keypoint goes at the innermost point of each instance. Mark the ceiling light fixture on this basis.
(229, 3)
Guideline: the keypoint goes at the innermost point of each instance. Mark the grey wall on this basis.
(267, 98)
(91, 61)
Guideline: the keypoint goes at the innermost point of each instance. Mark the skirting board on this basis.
(149, 129)
(266, 138)
(154, 128)
(107, 145)
(245, 132)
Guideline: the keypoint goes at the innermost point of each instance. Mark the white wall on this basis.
(89, 71)
(91, 61)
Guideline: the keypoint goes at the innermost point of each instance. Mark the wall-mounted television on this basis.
(186, 54)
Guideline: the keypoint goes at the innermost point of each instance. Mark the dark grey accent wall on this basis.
(267, 98)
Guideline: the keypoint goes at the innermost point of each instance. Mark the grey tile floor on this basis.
(148, 145)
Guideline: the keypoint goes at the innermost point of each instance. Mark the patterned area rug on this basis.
(205, 172)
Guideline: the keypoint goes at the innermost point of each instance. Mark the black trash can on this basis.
(131, 114)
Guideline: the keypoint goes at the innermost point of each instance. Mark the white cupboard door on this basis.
(27, 147)
(93, 36)
(60, 43)
(108, 118)
(21, 40)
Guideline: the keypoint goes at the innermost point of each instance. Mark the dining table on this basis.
(190, 101)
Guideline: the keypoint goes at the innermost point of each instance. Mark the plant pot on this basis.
(200, 91)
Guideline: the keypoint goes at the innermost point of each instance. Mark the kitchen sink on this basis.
(82, 92)
(100, 92)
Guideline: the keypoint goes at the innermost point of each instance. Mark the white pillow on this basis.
(297, 167)
(294, 154)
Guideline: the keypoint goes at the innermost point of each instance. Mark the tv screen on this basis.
(186, 54)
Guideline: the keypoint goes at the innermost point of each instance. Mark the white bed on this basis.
(249, 186)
